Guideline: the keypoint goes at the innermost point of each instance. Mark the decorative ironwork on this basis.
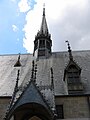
(32, 75)
(69, 50)
(52, 82)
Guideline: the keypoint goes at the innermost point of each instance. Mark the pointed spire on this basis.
(69, 50)
(44, 28)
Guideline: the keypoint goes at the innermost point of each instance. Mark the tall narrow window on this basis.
(73, 80)
(73, 75)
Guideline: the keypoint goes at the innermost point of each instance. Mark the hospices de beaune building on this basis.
(45, 85)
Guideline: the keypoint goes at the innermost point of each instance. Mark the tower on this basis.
(42, 42)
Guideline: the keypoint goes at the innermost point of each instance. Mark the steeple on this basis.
(42, 42)
(44, 28)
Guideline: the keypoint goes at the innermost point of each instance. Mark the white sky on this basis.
(66, 19)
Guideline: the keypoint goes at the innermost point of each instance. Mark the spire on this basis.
(42, 42)
(44, 28)
(69, 50)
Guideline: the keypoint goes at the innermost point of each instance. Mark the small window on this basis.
(59, 110)
(73, 75)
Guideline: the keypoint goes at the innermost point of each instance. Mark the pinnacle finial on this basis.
(32, 75)
(52, 82)
(35, 71)
(44, 9)
(69, 50)
(18, 64)
(19, 57)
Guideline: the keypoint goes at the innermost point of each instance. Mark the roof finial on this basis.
(32, 75)
(52, 82)
(35, 71)
(69, 50)
(18, 64)
(19, 57)
(44, 9)
(15, 89)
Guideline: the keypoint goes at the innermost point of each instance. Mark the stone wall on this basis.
(4, 102)
(74, 107)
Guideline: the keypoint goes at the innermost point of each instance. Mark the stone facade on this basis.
(4, 103)
(74, 106)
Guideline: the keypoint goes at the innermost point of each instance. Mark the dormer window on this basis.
(73, 78)
(72, 75)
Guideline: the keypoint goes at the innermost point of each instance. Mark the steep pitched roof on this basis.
(31, 94)
(57, 61)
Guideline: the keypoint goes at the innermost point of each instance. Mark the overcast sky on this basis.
(21, 19)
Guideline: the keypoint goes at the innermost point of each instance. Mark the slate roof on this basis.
(58, 61)
(30, 95)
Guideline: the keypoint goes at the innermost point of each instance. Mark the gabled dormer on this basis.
(42, 42)
(72, 75)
